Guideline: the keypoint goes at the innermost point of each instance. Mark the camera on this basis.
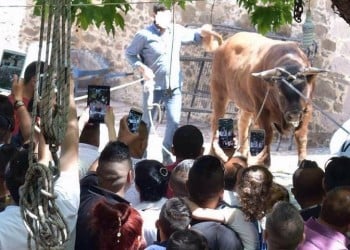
(98, 100)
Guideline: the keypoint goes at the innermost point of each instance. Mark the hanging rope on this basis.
(41, 216)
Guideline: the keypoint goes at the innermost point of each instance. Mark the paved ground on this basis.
(283, 162)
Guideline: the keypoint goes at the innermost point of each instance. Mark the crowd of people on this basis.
(119, 199)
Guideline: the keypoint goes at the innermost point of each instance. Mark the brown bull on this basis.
(265, 100)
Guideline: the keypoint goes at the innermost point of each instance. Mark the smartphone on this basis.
(134, 119)
(226, 133)
(98, 100)
(12, 62)
(257, 141)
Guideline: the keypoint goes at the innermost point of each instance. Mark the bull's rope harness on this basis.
(41, 216)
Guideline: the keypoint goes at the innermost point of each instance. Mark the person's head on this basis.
(137, 147)
(15, 173)
(278, 192)
(117, 226)
(337, 173)
(335, 210)
(30, 75)
(205, 182)
(90, 134)
(114, 171)
(284, 227)
(187, 239)
(253, 190)
(175, 215)
(179, 177)
(151, 180)
(162, 15)
(6, 119)
(187, 142)
(307, 184)
(232, 168)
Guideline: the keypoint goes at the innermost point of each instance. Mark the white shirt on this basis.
(150, 214)
(87, 155)
(13, 234)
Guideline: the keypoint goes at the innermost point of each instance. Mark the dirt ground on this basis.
(283, 162)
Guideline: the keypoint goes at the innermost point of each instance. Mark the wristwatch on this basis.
(18, 104)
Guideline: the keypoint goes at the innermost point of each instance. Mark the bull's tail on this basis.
(211, 40)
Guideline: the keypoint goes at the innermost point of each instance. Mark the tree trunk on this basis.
(342, 8)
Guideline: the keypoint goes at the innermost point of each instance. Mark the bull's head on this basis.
(293, 89)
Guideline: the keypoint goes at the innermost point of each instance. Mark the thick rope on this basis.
(42, 218)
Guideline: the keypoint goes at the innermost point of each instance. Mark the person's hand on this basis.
(223, 154)
(84, 118)
(17, 88)
(109, 117)
(124, 133)
(146, 72)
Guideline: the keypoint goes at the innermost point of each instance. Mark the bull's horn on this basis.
(268, 74)
(312, 71)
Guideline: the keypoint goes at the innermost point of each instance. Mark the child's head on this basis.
(151, 180)
(277, 193)
(254, 189)
(206, 180)
(187, 142)
(187, 239)
(175, 215)
(179, 177)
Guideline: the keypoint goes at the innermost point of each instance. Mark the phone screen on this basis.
(226, 133)
(134, 119)
(257, 141)
(98, 100)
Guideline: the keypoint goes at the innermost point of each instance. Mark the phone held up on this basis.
(257, 141)
(98, 100)
(134, 119)
(226, 133)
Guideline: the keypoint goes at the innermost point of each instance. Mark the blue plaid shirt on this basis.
(161, 52)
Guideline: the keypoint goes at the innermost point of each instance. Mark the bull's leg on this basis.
(243, 123)
(301, 135)
(264, 157)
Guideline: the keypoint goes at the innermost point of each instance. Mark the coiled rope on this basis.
(41, 216)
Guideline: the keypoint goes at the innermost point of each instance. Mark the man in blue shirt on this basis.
(155, 53)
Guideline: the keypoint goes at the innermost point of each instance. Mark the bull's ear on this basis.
(312, 71)
(270, 75)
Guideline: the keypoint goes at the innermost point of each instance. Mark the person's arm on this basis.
(110, 123)
(132, 54)
(205, 213)
(83, 120)
(69, 147)
(25, 120)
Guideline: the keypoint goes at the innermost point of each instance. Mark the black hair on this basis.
(205, 179)
(159, 7)
(188, 142)
(187, 239)
(30, 71)
(114, 151)
(175, 215)
(15, 173)
(7, 122)
(151, 177)
(337, 172)
(7, 151)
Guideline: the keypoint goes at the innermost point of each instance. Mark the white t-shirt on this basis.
(87, 155)
(149, 212)
(13, 234)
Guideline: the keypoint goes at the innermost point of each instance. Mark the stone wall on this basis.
(19, 28)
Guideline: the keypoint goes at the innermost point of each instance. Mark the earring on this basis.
(119, 234)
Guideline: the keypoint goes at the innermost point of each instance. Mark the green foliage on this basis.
(109, 14)
(268, 15)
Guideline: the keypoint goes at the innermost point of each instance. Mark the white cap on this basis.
(340, 141)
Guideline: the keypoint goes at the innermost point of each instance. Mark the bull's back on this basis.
(241, 55)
